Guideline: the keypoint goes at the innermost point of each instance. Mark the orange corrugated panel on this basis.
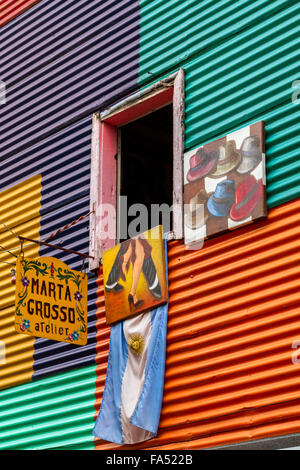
(9, 9)
(233, 317)
(103, 332)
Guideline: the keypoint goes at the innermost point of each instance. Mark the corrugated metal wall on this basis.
(9, 9)
(77, 57)
(233, 316)
(54, 47)
(63, 160)
(53, 413)
(61, 60)
(234, 304)
(174, 32)
(241, 59)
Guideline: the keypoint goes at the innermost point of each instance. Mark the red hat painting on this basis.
(201, 164)
(247, 195)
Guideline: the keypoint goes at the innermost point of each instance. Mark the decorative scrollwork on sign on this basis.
(66, 275)
(46, 302)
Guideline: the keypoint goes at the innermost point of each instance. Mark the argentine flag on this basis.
(132, 398)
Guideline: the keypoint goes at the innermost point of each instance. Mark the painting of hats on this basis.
(229, 157)
(248, 193)
(251, 154)
(225, 184)
(201, 163)
(221, 201)
(197, 213)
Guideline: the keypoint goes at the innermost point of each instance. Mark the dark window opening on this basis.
(146, 169)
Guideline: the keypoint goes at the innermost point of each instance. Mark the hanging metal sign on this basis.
(51, 300)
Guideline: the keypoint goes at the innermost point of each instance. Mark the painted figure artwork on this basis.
(225, 184)
(134, 275)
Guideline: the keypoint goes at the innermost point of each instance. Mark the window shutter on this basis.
(103, 189)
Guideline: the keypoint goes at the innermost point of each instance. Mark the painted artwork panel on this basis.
(225, 184)
(51, 300)
(134, 274)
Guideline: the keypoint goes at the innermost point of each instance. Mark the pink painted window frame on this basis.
(105, 147)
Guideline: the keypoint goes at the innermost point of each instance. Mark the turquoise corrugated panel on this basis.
(51, 413)
(282, 149)
(241, 60)
(173, 31)
(243, 77)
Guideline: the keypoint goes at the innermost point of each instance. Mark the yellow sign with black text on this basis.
(51, 300)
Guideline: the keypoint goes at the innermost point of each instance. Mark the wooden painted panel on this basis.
(225, 184)
(128, 291)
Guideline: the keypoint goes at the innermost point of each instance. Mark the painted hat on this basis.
(201, 163)
(197, 213)
(221, 201)
(229, 158)
(251, 154)
(248, 193)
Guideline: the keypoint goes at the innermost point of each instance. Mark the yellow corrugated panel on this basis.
(20, 211)
(21, 202)
(19, 350)
(233, 317)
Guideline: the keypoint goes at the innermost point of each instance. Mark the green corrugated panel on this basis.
(282, 148)
(173, 31)
(242, 78)
(51, 413)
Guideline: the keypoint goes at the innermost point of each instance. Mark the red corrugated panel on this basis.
(9, 9)
(233, 317)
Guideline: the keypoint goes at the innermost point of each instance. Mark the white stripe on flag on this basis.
(134, 377)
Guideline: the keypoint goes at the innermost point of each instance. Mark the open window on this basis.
(137, 162)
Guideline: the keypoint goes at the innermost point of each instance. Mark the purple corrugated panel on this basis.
(64, 161)
(34, 44)
(67, 80)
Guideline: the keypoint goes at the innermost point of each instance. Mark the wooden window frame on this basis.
(104, 166)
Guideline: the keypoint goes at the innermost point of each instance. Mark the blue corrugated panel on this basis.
(62, 60)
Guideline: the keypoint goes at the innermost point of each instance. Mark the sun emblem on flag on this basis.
(137, 344)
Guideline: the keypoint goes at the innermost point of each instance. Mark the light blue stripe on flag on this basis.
(147, 412)
(109, 425)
